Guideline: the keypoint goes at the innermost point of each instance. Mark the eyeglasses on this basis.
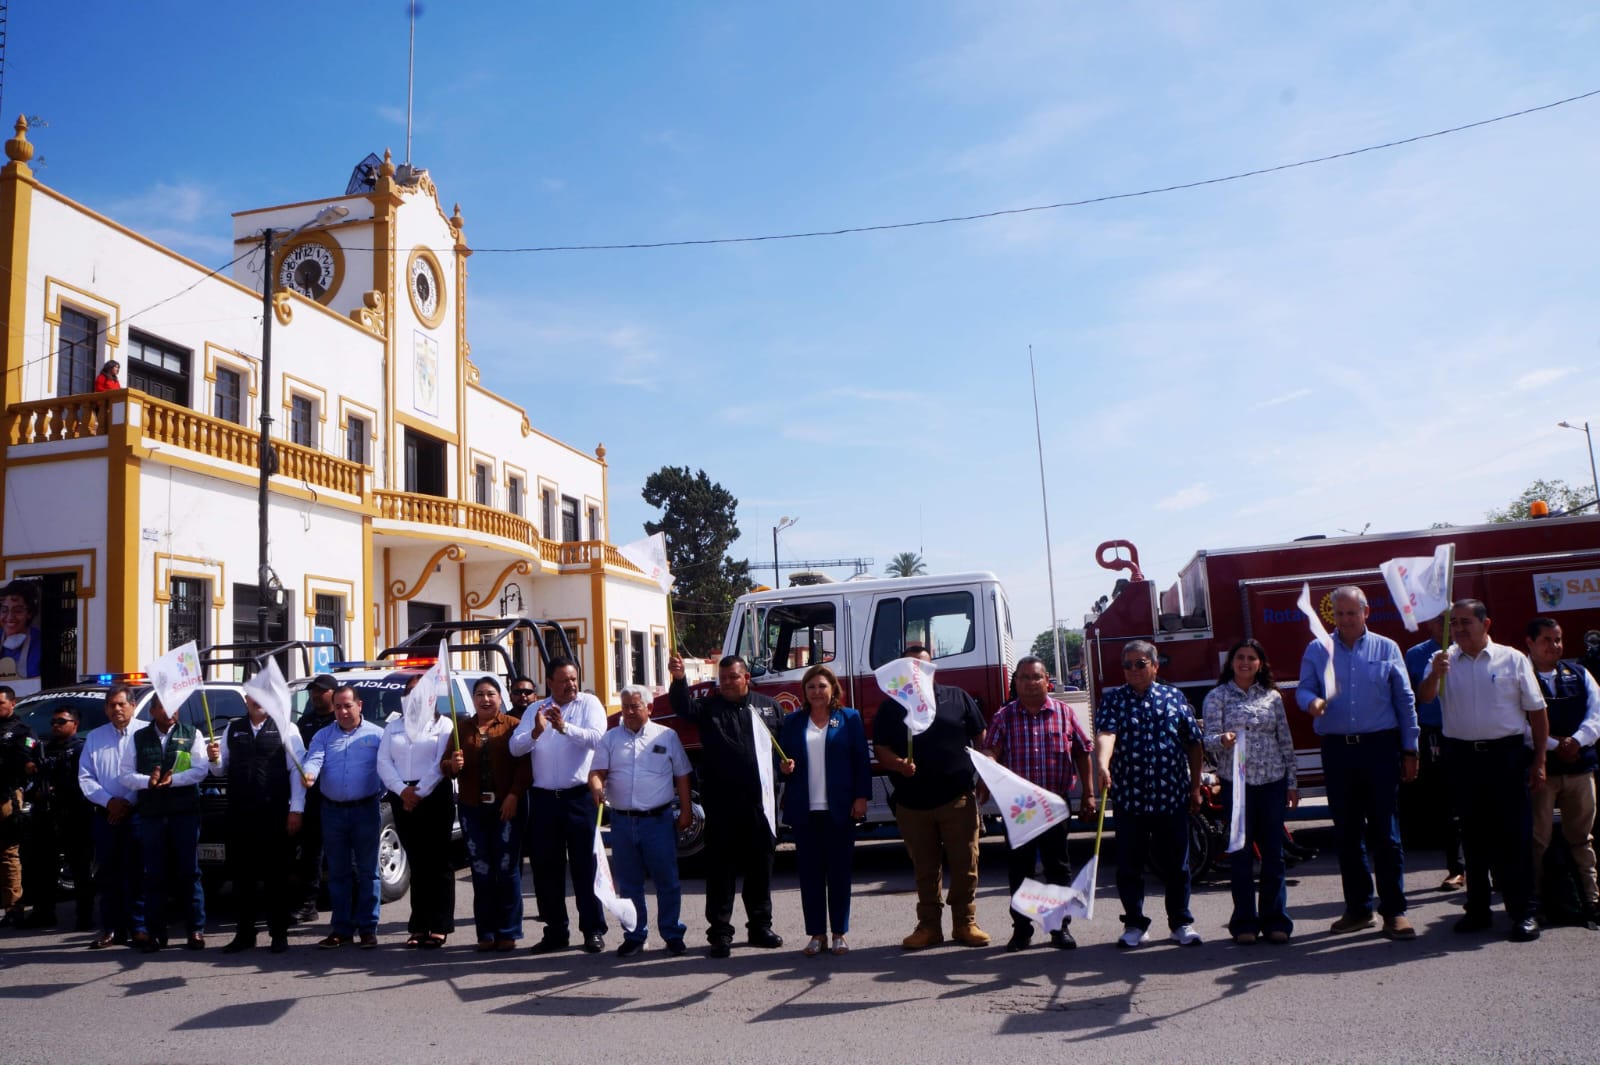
(524, 691)
(61, 722)
(1143, 663)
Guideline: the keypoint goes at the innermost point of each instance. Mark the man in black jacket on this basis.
(61, 829)
(739, 840)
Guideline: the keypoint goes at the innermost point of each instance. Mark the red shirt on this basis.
(1038, 746)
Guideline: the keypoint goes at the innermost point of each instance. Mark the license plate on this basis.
(213, 852)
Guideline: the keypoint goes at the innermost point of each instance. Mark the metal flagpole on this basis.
(1044, 499)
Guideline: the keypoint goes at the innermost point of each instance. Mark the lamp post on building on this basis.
(783, 523)
(266, 457)
(1595, 477)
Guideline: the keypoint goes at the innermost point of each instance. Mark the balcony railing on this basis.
(169, 425)
(67, 418)
(454, 514)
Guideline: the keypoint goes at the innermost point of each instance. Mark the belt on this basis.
(566, 793)
(1355, 738)
(658, 811)
(353, 802)
(1485, 745)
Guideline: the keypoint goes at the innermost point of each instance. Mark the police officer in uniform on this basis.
(61, 831)
(18, 750)
(266, 798)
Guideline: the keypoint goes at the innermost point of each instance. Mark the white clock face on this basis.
(308, 269)
(424, 287)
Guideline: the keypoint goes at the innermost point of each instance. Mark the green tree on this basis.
(906, 564)
(699, 517)
(1558, 493)
(1071, 645)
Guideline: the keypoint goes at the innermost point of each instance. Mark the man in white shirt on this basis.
(640, 767)
(1490, 699)
(1573, 702)
(562, 733)
(117, 876)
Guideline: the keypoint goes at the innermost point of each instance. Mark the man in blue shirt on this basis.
(1369, 736)
(343, 762)
(1426, 813)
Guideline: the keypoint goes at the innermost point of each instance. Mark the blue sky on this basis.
(1388, 339)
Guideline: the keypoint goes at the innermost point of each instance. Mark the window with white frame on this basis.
(77, 349)
(514, 494)
(302, 420)
(227, 397)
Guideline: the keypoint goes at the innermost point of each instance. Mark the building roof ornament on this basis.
(18, 150)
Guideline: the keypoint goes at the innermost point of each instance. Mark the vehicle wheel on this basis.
(394, 868)
(692, 840)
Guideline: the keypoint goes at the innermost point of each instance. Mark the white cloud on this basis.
(1287, 397)
(186, 216)
(1187, 498)
(1539, 378)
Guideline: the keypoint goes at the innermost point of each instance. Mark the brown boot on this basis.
(968, 934)
(925, 936)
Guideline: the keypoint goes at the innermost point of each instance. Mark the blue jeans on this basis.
(1165, 837)
(641, 845)
(494, 852)
(118, 875)
(171, 847)
(350, 841)
(1263, 831)
(1363, 780)
(825, 853)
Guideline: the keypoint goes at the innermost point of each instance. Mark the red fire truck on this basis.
(1519, 569)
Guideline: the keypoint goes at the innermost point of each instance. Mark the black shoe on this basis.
(1062, 940)
(1525, 931)
(550, 944)
(147, 945)
(1474, 922)
(240, 944)
(675, 946)
(720, 948)
(765, 938)
(280, 944)
(12, 919)
(306, 914)
(41, 919)
(593, 943)
(1021, 939)
(629, 948)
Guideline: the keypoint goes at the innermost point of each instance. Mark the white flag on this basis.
(909, 682)
(605, 889)
(271, 692)
(447, 687)
(418, 705)
(650, 555)
(1082, 902)
(1420, 586)
(175, 675)
(1236, 819)
(764, 751)
(1026, 808)
(1320, 634)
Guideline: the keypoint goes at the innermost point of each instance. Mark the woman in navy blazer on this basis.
(829, 782)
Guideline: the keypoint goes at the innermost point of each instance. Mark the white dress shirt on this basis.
(198, 769)
(293, 748)
(1488, 696)
(100, 764)
(562, 759)
(640, 767)
(400, 758)
(817, 764)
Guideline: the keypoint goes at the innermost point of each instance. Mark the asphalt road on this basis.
(1361, 998)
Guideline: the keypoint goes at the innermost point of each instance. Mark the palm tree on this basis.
(906, 564)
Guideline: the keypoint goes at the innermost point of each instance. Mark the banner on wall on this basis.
(22, 638)
(425, 375)
(1576, 589)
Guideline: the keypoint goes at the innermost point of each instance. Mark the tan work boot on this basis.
(968, 934)
(925, 936)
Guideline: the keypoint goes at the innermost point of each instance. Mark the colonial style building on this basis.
(404, 490)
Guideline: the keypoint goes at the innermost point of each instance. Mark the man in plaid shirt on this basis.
(1040, 740)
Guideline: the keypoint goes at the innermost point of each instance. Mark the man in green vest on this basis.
(163, 767)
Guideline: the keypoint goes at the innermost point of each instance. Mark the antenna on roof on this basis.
(411, 70)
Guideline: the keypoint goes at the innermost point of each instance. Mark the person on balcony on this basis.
(109, 378)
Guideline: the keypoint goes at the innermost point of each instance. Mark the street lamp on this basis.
(1592, 474)
(266, 458)
(783, 523)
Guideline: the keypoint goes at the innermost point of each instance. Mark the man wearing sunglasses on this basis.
(61, 827)
(1147, 754)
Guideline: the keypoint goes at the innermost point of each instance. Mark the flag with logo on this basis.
(1026, 808)
(909, 682)
(1319, 632)
(175, 675)
(418, 706)
(271, 692)
(650, 555)
(605, 889)
(1236, 818)
(764, 751)
(1420, 586)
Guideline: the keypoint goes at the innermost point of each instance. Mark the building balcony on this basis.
(418, 509)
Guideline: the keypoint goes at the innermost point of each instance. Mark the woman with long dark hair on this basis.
(1245, 708)
(829, 780)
